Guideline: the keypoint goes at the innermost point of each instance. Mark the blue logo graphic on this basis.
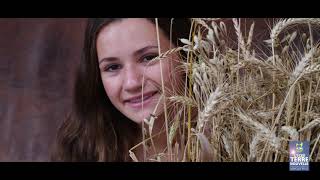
(299, 155)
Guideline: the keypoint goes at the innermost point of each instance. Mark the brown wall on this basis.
(37, 62)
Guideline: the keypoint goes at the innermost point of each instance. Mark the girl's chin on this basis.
(138, 116)
(139, 119)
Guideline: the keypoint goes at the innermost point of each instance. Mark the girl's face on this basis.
(124, 49)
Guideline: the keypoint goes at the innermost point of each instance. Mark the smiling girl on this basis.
(118, 86)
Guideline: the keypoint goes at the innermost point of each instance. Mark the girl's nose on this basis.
(132, 79)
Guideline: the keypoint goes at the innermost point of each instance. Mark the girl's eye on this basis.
(112, 67)
(149, 57)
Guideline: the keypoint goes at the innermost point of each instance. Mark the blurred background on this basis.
(38, 59)
(37, 63)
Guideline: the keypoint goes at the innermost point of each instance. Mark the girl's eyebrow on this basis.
(108, 59)
(136, 53)
(142, 50)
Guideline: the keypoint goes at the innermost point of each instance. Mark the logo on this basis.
(299, 147)
(299, 155)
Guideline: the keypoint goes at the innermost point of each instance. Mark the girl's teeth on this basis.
(139, 100)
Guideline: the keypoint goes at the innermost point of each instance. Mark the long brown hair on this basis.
(95, 130)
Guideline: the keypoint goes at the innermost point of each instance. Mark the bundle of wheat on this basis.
(242, 105)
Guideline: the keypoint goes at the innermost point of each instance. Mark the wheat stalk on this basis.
(211, 102)
(310, 125)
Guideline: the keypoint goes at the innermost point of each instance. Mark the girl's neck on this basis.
(154, 143)
(155, 147)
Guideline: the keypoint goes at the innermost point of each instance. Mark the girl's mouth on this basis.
(138, 101)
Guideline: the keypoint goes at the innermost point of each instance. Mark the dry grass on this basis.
(247, 106)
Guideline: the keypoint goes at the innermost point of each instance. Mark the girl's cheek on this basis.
(154, 72)
(109, 87)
